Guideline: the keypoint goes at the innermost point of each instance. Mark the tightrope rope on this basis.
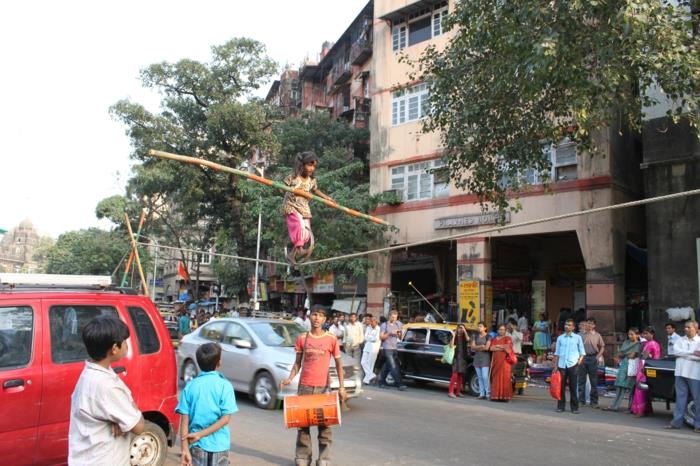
(596, 210)
(217, 254)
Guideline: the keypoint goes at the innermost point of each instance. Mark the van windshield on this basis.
(277, 333)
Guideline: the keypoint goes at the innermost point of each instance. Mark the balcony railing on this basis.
(363, 107)
(341, 72)
(360, 51)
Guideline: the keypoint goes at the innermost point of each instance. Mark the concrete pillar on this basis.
(603, 240)
(474, 263)
(378, 283)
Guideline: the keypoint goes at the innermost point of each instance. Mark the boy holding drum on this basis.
(314, 350)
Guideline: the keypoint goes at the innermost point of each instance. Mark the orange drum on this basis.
(312, 410)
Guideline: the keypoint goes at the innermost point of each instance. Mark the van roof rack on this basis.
(54, 282)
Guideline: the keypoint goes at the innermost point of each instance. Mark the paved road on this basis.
(422, 426)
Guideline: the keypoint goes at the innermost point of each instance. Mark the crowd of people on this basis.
(208, 401)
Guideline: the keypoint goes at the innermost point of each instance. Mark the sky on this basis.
(64, 63)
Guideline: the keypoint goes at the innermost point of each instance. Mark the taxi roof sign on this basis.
(54, 280)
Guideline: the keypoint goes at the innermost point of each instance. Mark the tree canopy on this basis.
(91, 252)
(207, 111)
(520, 75)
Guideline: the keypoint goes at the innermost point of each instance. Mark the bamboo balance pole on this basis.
(265, 181)
(130, 262)
(134, 248)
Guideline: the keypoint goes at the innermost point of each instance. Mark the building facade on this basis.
(671, 165)
(572, 263)
(338, 82)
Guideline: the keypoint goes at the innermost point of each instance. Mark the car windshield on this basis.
(277, 333)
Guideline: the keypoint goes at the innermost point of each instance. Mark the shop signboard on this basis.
(538, 297)
(469, 303)
(488, 305)
(469, 220)
(262, 291)
(323, 283)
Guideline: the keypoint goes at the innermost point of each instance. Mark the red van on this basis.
(42, 356)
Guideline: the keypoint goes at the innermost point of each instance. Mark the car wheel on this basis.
(265, 391)
(690, 413)
(473, 384)
(149, 448)
(189, 371)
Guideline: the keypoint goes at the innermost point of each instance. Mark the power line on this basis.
(596, 210)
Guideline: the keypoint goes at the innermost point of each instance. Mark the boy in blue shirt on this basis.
(205, 406)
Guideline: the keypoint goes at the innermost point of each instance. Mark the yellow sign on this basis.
(488, 305)
(651, 372)
(469, 303)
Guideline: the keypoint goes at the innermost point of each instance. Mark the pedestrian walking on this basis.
(205, 409)
(641, 403)
(390, 334)
(687, 352)
(594, 346)
(184, 324)
(302, 320)
(501, 384)
(515, 335)
(671, 337)
(102, 411)
(630, 350)
(543, 338)
(354, 337)
(482, 360)
(314, 350)
(568, 356)
(460, 340)
(370, 350)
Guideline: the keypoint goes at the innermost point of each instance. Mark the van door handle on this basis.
(119, 369)
(13, 383)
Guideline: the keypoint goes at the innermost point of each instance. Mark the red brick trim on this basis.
(606, 307)
(473, 261)
(396, 87)
(588, 184)
(406, 161)
(473, 239)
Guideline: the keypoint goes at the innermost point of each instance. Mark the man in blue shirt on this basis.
(567, 357)
(205, 406)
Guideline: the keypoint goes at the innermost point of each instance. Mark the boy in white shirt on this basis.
(102, 411)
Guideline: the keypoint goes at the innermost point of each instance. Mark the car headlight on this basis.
(287, 366)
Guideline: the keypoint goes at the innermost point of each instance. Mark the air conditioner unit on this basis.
(399, 193)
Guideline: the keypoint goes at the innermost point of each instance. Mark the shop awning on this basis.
(347, 306)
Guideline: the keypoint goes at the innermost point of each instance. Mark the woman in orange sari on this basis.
(501, 385)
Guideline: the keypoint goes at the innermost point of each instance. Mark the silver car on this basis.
(257, 355)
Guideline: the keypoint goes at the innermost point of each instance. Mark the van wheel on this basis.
(265, 391)
(189, 371)
(150, 448)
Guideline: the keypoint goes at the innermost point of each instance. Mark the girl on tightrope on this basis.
(296, 208)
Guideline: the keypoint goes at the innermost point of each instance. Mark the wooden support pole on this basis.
(266, 182)
(130, 262)
(134, 248)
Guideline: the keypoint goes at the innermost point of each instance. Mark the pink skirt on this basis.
(299, 229)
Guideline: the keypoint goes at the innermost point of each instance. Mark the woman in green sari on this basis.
(630, 349)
